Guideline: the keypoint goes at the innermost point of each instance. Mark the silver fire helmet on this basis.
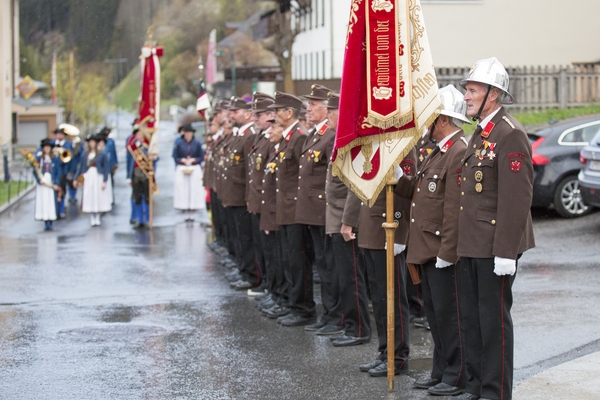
(453, 103)
(490, 72)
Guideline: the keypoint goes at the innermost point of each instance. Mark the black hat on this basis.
(100, 138)
(187, 128)
(261, 101)
(91, 137)
(318, 92)
(59, 130)
(46, 142)
(222, 105)
(237, 103)
(333, 102)
(286, 100)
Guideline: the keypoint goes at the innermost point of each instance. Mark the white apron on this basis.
(189, 192)
(95, 200)
(45, 205)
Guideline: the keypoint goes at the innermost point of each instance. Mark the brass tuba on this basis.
(73, 132)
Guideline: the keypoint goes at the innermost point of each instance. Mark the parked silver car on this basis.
(589, 176)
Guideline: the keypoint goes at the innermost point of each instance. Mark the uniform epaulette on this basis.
(505, 118)
(321, 131)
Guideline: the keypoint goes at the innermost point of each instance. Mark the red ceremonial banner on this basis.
(149, 107)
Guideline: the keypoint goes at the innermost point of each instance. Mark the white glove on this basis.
(398, 172)
(398, 248)
(441, 263)
(504, 266)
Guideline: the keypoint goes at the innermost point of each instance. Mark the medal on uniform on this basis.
(237, 159)
(478, 176)
(432, 187)
(478, 187)
(231, 156)
(316, 155)
(281, 156)
(258, 162)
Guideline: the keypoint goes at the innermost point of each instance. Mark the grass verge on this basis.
(12, 188)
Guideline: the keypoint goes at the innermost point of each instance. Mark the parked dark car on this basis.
(556, 165)
(589, 176)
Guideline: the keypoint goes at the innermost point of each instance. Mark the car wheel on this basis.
(567, 199)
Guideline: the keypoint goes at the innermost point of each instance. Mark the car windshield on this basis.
(596, 140)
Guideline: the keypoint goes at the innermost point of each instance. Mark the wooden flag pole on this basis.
(390, 227)
(150, 199)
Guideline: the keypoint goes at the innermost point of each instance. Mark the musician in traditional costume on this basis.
(188, 155)
(129, 166)
(65, 170)
(139, 181)
(94, 167)
(47, 175)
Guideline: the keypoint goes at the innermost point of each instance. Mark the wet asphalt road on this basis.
(114, 313)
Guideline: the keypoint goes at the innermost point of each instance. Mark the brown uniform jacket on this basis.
(268, 195)
(208, 173)
(371, 234)
(424, 148)
(288, 162)
(219, 164)
(312, 174)
(435, 204)
(497, 174)
(342, 207)
(234, 180)
(256, 161)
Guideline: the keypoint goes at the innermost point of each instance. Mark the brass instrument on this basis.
(73, 133)
(65, 155)
(146, 166)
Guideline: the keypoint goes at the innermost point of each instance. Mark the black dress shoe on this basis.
(330, 330)
(443, 389)
(425, 383)
(344, 341)
(419, 321)
(369, 366)
(278, 311)
(381, 370)
(296, 320)
(316, 326)
(333, 337)
(466, 396)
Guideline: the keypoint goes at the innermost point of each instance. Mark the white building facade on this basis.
(517, 32)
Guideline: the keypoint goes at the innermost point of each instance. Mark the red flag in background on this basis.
(389, 93)
(203, 102)
(211, 58)
(149, 100)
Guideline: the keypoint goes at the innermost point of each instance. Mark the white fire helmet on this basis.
(453, 103)
(490, 72)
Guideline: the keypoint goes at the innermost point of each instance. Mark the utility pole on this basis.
(116, 62)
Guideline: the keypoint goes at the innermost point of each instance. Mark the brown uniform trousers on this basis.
(233, 195)
(297, 269)
(276, 283)
(310, 212)
(346, 259)
(494, 221)
(371, 237)
(434, 233)
(256, 147)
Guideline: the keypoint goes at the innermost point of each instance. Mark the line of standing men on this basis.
(463, 216)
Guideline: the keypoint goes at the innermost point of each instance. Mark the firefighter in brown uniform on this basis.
(298, 271)
(371, 238)
(257, 147)
(433, 238)
(233, 195)
(277, 296)
(213, 170)
(413, 290)
(494, 229)
(310, 207)
(343, 254)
